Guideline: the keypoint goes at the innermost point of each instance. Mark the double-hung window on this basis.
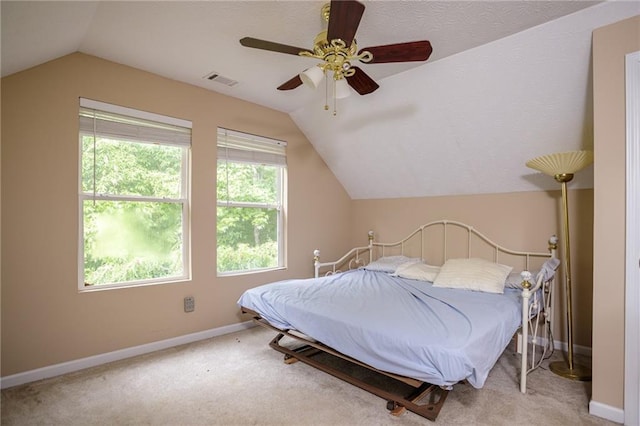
(133, 197)
(251, 179)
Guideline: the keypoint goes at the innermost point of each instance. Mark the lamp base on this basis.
(578, 372)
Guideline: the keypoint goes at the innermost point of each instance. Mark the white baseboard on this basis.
(562, 346)
(582, 350)
(606, 412)
(92, 361)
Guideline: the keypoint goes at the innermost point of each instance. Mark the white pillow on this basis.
(473, 274)
(418, 271)
(389, 263)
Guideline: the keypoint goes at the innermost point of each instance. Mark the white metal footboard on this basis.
(534, 310)
(536, 313)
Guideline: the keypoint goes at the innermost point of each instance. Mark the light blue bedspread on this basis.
(401, 326)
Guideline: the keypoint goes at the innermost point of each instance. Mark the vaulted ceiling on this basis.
(507, 80)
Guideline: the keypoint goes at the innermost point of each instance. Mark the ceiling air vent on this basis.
(214, 76)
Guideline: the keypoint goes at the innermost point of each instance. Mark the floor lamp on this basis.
(562, 167)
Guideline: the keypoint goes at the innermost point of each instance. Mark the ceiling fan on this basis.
(337, 49)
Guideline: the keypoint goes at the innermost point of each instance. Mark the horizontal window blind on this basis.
(248, 148)
(117, 126)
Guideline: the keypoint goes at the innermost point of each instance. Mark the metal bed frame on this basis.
(426, 399)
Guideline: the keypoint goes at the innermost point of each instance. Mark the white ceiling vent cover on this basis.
(214, 76)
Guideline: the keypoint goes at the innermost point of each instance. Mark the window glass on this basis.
(131, 168)
(126, 241)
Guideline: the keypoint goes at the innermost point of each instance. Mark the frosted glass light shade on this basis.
(312, 77)
(562, 162)
(342, 89)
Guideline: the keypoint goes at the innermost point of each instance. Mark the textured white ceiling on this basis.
(507, 80)
(467, 124)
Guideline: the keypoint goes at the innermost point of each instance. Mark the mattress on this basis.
(401, 326)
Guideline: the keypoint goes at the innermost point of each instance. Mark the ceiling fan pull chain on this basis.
(335, 99)
(326, 93)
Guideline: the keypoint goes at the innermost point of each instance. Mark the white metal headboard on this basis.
(357, 256)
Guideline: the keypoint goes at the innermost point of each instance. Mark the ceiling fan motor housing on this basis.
(336, 55)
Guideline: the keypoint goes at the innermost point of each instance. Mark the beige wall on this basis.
(45, 320)
(610, 45)
(519, 221)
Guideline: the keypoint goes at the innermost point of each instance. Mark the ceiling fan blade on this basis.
(344, 18)
(400, 52)
(269, 45)
(361, 82)
(291, 84)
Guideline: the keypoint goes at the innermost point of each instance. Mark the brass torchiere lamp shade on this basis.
(562, 166)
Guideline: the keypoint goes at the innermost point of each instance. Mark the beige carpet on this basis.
(238, 380)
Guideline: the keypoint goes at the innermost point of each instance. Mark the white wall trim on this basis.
(632, 266)
(581, 350)
(606, 411)
(92, 361)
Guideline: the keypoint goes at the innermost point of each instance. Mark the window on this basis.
(134, 197)
(250, 195)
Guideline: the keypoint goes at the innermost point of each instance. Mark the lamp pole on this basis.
(563, 179)
(570, 369)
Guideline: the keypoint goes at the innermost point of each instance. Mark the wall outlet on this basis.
(189, 304)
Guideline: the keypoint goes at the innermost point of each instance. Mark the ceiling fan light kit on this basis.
(312, 77)
(336, 47)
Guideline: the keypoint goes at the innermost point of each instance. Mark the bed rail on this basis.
(351, 259)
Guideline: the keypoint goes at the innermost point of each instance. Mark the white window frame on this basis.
(185, 200)
(239, 147)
